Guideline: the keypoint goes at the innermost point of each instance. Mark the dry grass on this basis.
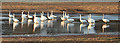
(57, 7)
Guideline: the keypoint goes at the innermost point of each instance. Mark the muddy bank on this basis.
(65, 39)
(58, 7)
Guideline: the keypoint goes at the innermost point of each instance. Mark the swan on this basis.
(105, 26)
(105, 20)
(49, 17)
(90, 20)
(83, 21)
(23, 15)
(43, 17)
(36, 19)
(23, 21)
(14, 19)
(63, 17)
(29, 16)
(70, 19)
(52, 15)
(10, 15)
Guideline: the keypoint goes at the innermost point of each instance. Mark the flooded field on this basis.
(57, 27)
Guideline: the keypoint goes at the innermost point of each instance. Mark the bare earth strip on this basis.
(68, 39)
(58, 7)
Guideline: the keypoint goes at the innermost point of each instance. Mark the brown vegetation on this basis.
(58, 7)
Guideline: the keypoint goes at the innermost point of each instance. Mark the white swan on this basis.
(90, 20)
(67, 16)
(83, 21)
(52, 15)
(43, 17)
(14, 19)
(70, 19)
(105, 20)
(29, 16)
(63, 17)
(36, 19)
(23, 15)
(49, 17)
(23, 21)
(10, 14)
(105, 26)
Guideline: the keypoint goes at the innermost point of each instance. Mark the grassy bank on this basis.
(58, 7)
(78, 38)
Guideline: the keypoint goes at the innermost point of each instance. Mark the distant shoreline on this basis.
(58, 7)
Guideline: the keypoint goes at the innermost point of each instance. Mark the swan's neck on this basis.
(28, 13)
(65, 13)
(22, 13)
(51, 13)
(9, 12)
(48, 14)
(80, 17)
(103, 16)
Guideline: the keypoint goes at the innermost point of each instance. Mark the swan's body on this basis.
(10, 14)
(83, 21)
(36, 19)
(23, 15)
(52, 15)
(14, 19)
(49, 17)
(90, 20)
(105, 26)
(29, 16)
(66, 16)
(43, 17)
(70, 20)
(105, 20)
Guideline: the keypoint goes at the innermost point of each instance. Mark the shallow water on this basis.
(57, 27)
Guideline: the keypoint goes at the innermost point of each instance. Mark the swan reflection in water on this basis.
(82, 26)
(90, 29)
(50, 23)
(29, 22)
(15, 24)
(35, 26)
(23, 22)
(10, 21)
(104, 26)
(43, 24)
(69, 26)
(63, 23)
